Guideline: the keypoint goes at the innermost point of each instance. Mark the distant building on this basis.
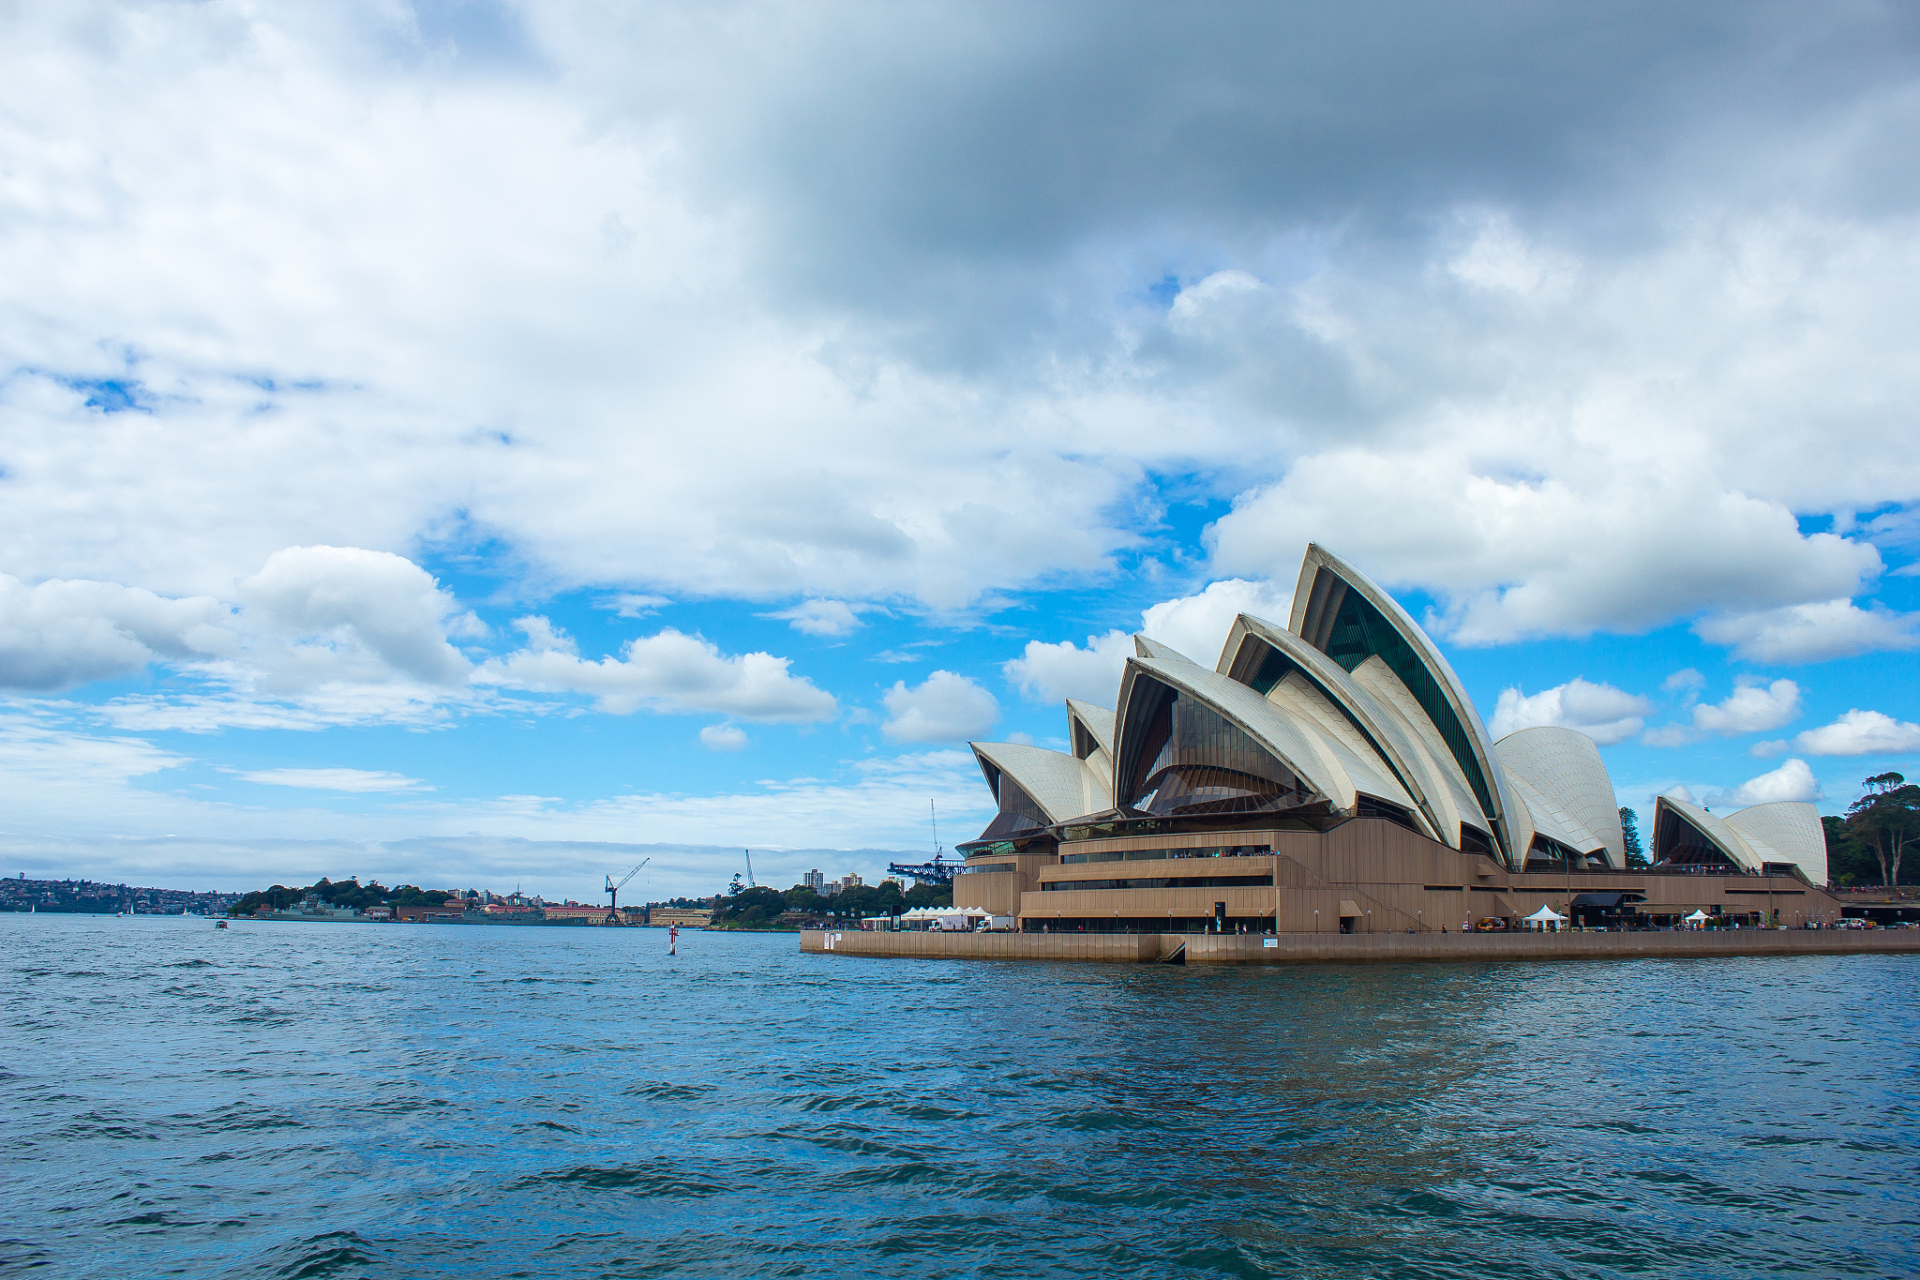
(851, 880)
(814, 881)
(576, 913)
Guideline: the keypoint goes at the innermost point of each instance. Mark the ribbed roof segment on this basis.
(1560, 774)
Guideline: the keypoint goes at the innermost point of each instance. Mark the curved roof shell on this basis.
(1785, 831)
(1560, 774)
(1319, 758)
(1064, 786)
(1266, 657)
(1340, 612)
(1717, 833)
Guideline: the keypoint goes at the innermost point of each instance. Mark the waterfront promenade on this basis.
(1354, 948)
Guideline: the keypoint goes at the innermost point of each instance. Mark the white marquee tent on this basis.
(1545, 917)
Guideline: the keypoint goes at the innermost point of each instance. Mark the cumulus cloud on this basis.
(1861, 733)
(723, 737)
(1753, 707)
(669, 671)
(351, 613)
(56, 635)
(1793, 780)
(821, 617)
(1602, 712)
(1684, 680)
(846, 345)
(1811, 632)
(1197, 625)
(1050, 672)
(943, 708)
(1512, 558)
(349, 780)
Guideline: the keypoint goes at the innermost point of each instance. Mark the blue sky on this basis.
(490, 444)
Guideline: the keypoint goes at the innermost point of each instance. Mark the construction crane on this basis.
(613, 890)
(939, 871)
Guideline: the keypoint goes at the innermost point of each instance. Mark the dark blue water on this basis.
(282, 1100)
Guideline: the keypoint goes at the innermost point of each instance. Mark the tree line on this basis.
(760, 906)
(342, 893)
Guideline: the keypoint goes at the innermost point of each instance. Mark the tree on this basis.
(757, 905)
(1849, 861)
(930, 895)
(1885, 819)
(1630, 833)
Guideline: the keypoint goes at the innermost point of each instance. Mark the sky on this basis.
(486, 444)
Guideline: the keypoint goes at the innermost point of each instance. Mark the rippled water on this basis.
(284, 1100)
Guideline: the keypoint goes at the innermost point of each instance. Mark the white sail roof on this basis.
(1789, 831)
(1567, 788)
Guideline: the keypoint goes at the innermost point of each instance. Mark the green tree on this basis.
(804, 899)
(929, 895)
(1630, 833)
(1885, 819)
(753, 906)
(1849, 862)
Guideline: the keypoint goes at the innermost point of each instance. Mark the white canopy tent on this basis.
(1698, 918)
(1544, 917)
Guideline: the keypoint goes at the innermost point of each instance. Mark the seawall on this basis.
(1355, 948)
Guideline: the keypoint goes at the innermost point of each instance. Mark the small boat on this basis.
(220, 924)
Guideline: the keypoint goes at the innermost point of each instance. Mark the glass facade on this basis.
(1678, 843)
(1359, 632)
(1163, 855)
(1019, 812)
(1164, 882)
(1188, 759)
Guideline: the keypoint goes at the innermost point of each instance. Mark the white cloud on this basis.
(1605, 550)
(669, 672)
(1050, 672)
(943, 708)
(1197, 625)
(1793, 780)
(1679, 791)
(1753, 707)
(1861, 733)
(630, 604)
(1602, 712)
(55, 635)
(1686, 678)
(352, 780)
(1811, 632)
(723, 737)
(821, 617)
(349, 613)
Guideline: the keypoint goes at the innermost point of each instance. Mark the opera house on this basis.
(1333, 775)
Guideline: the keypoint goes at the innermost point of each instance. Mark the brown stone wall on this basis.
(1396, 879)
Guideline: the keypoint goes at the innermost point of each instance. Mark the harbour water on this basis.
(288, 1100)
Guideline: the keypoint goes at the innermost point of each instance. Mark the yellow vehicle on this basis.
(1490, 924)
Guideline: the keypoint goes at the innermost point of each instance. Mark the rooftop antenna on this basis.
(750, 883)
(935, 819)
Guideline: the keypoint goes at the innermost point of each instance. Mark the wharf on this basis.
(1355, 948)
